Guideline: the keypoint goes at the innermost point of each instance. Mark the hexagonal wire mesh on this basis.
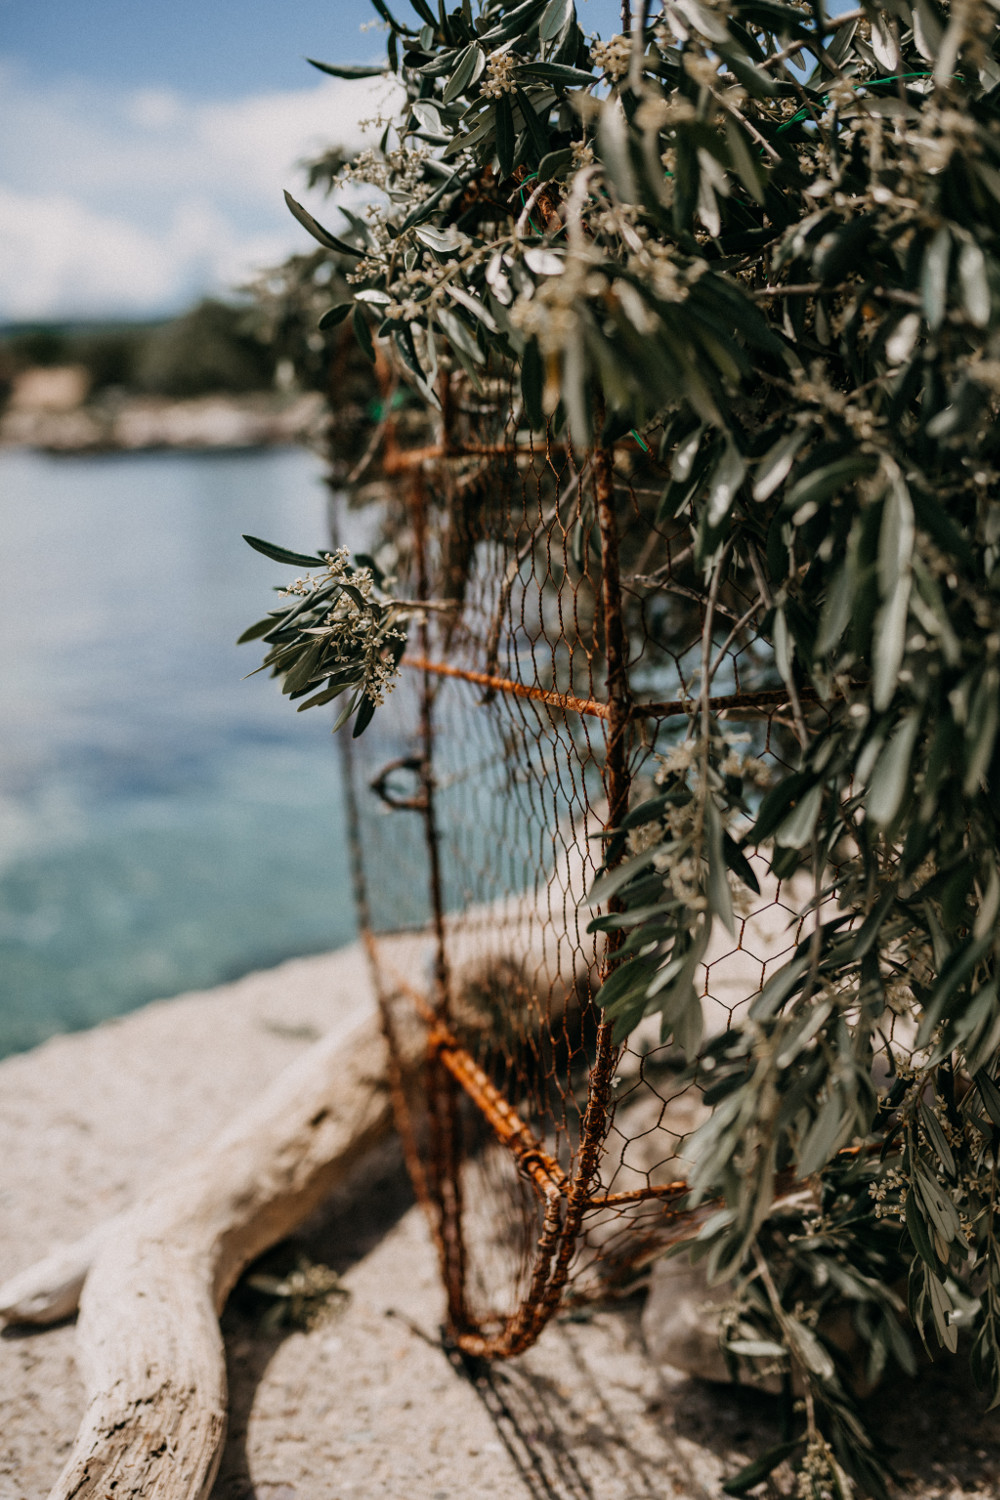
(571, 638)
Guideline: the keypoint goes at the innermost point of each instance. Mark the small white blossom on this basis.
(498, 81)
(612, 57)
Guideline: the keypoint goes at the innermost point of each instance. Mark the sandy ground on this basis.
(367, 1403)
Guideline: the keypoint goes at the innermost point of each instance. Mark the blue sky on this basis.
(145, 146)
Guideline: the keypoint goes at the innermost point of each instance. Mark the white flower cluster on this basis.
(702, 70)
(499, 68)
(819, 1474)
(547, 310)
(889, 1194)
(398, 171)
(679, 830)
(355, 631)
(611, 57)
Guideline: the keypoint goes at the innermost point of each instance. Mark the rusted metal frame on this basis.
(506, 685)
(558, 1241)
(761, 701)
(669, 1190)
(617, 782)
(443, 1119)
(510, 1130)
(402, 461)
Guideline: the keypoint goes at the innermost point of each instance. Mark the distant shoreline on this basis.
(145, 424)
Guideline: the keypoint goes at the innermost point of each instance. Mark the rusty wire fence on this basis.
(562, 656)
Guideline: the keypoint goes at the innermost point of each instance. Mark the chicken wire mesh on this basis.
(567, 643)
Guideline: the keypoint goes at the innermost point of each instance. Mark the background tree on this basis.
(211, 348)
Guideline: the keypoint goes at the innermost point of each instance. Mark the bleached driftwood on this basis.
(155, 1279)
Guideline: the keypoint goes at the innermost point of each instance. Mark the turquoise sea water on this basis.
(163, 824)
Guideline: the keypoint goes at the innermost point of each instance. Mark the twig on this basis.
(822, 31)
(743, 620)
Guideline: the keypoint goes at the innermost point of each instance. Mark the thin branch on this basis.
(636, 55)
(827, 30)
(743, 620)
(751, 129)
(706, 645)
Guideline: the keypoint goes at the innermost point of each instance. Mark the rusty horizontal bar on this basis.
(403, 460)
(639, 1195)
(506, 685)
(531, 1156)
(763, 699)
(760, 700)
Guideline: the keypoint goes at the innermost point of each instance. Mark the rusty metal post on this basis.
(442, 1091)
(564, 1215)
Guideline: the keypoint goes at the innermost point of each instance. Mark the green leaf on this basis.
(990, 1095)
(534, 125)
(365, 715)
(460, 337)
(608, 884)
(254, 632)
(822, 483)
(918, 1231)
(719, 897)
(784, 648)
(390, 19)
(838, 609)
(326, 696)
(796, 830)
(468, 67)
(981, 729)
(554, 163)
(777, 803)
(283, 555)
(890, 644)
(347, 70)
(824, 1136)
(889, 782)
(746, 165)
(335, 315)
(473, 305)
(363, 334)
(809, 1349)
(757, 1349)
(934, 279)
(613, 145)
(937, 1138)
(760, 1468)
(558, 73)
(974, 284)
(421, 211)
(776, 464)
(516, 23)
(556, 15)
(723, 485)
(532, 380)
(505, 135)
(330, 241)
(425, 13)
(739, 864)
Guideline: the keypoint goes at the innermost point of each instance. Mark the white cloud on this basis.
(137, 203)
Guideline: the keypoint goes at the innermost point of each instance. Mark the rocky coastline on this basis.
(54, 415)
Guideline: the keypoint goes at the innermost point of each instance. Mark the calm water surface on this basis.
(163, 824)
